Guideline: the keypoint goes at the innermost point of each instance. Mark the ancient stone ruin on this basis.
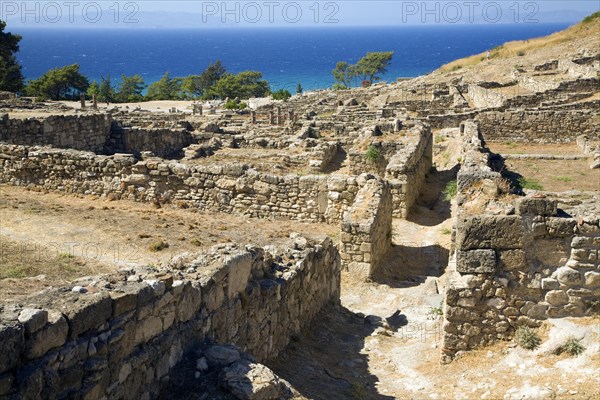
(357, 160)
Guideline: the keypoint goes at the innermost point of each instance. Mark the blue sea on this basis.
(285, 56)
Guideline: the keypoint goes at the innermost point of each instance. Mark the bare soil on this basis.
(522, 148)
(557, 175)
(49, 239)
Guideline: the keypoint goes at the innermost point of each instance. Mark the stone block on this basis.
(535, 206)
(33, 319)
(490, 232)
(567, 276)
(11, 345)
(556, 298)
(52, 335)
(592, 279)
(476, 261)
(512, 259)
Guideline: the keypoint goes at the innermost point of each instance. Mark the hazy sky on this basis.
(264, 13)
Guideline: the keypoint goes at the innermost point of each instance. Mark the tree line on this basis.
(215, 82)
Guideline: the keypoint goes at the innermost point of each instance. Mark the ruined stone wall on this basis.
(485, 98)
(81, 132)
(564, 93)
(517, 264)
(120, 339)
(226, 188)
(537, 126)
(517, 270)
(367, 230)
(442, 121)
(406, 172)
(163, 142)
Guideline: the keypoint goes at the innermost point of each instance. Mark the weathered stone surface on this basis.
(33, 319)
(592, 279)
(490, 232)
(557, 298)
(221, 355)
(535, 206)
(11, 345)
(250, 381)
(52, 335)
(476, 261)
(568, 276)
(512, 259)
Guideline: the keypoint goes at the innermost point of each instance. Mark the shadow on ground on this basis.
(326, 362)
(431, 208)
(410, 264)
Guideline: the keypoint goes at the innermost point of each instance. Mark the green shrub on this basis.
(564, 178)
(234, 105)
(592, 17)
(572, 346)
(530, 184)
(450, 190)
(281, 94)
(372, 155)
(520, 53)
(527, 339)
(456, 67)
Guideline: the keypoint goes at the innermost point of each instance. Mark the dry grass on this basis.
(591, 28)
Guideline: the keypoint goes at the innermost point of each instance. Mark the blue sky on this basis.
(288, 13)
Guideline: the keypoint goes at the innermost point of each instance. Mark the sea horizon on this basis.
(281, 58)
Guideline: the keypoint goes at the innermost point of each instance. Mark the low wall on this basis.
(485, 98)
(538, 126)
(87, 132)
(366, 228)
(163, 142)
(517, 263)
(120, 339)
(226, 188)
(514, 270)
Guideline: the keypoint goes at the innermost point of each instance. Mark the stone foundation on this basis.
(367, 230)
(87, 132)
(120, 335)
(544, 126)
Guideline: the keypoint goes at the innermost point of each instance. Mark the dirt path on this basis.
(383, 341)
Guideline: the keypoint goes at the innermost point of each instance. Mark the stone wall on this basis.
(517, 261)
(231, 188)
(81, 132)
(485, 98)
(367, 229)
(544, 126)
(406, 172)
(163, 142)
(119, 336)
(514, 270)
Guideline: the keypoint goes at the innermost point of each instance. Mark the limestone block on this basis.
(490, 232)
(33, 319)
(52, 335)
(567, 276)
(557, 298)
(476, 261)
(592, 279)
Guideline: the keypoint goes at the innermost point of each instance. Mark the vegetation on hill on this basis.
(11, 78)
(589, 26)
